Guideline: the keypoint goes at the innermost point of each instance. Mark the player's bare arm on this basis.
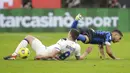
(101, 50)
(87, 51)
(109, 52)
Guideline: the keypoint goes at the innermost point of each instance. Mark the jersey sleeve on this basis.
(108, 39)
(77, 51)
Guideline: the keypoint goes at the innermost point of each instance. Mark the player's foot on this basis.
(10, 57)
(78, 17)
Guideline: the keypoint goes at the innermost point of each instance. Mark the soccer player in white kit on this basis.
(61, 50)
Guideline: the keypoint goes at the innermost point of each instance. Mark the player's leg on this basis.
(83, 38)
(75, 23)
(22, 44)
(86, 35)
(34, 42)
(37, 46)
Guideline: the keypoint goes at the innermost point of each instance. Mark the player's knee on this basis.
(29, 38)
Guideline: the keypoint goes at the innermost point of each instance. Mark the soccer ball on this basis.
(23, 53)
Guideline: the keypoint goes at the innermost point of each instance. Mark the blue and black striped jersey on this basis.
(101, 37)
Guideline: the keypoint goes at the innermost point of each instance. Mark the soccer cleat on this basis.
(78, 17)
(10, 57)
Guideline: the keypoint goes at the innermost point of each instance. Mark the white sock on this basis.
(22, 44)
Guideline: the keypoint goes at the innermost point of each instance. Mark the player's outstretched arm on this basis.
(109, 52)
(87, 51)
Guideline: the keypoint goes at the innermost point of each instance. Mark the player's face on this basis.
(116, 37)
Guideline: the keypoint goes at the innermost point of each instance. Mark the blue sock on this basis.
(82, 38)
(74, 25)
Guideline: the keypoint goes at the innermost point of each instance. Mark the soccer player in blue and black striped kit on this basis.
(101, 38)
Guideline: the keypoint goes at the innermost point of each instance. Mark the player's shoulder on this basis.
(108, 35)
(62, 39)
(77, 45)
(77, 48)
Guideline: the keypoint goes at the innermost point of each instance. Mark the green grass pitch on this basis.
(92, 64)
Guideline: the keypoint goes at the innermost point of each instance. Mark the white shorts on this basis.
(38, 47)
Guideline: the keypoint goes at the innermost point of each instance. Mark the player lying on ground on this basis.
(61, 50)
(101, 38)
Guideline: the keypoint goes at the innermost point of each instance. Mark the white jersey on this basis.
(66, 47)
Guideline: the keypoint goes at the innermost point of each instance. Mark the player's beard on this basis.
(113, 40)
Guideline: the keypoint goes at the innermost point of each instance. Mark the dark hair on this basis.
(74, 33)
(118, 31)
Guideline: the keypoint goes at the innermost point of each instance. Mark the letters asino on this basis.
(55, 21)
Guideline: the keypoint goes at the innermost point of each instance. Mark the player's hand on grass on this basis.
(103, 58)
(108, 58)
(117, 58)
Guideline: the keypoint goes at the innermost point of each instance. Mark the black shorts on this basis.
(89, 32)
